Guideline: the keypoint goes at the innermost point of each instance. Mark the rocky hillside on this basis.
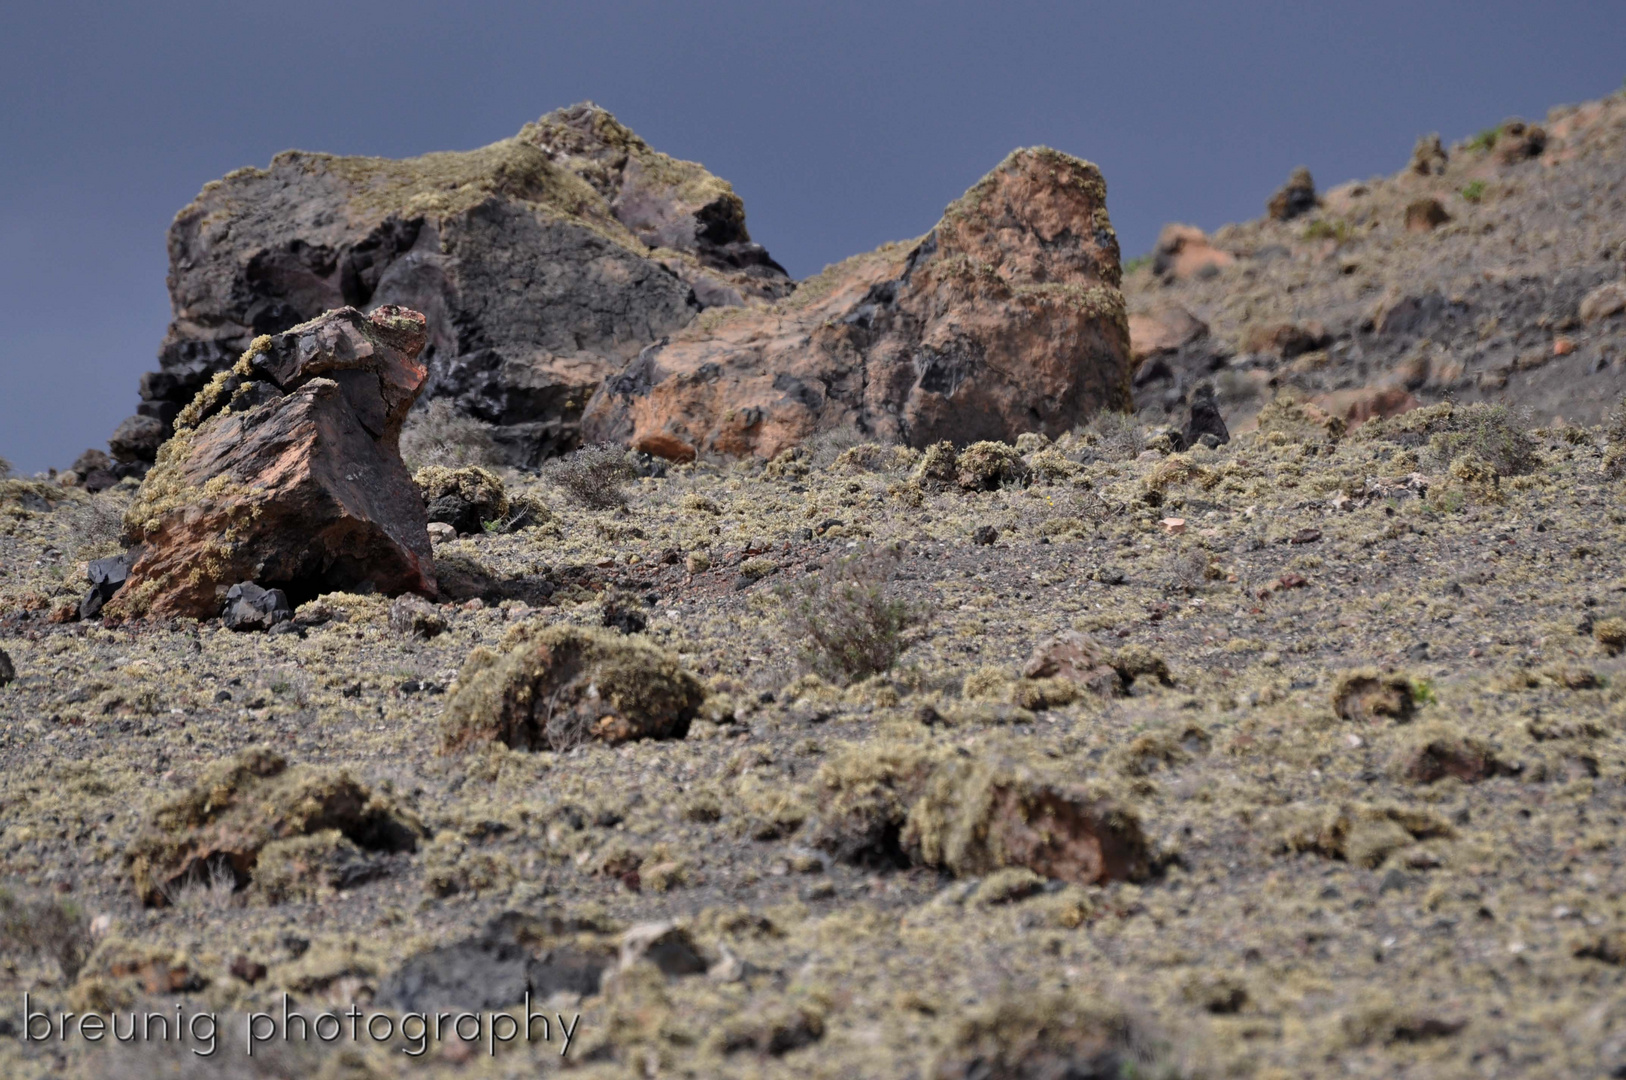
(1491, 270)
(544, 263)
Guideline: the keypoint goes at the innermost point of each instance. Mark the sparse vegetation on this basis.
(437, 434)
(44, 927)
(592, 476)
(850, 617)
(1115, 436)
(1473, 191)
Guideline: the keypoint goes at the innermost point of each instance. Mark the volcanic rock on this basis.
(249, 607)
(1166, 329)
(240, 806)
(1293, 198)
(557, 687)
(1184, 252)
(107, 576)
(1005, 318)
(545, 262)
(285, 472)
(8, 671)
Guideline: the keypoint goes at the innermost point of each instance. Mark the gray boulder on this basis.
(544, 263)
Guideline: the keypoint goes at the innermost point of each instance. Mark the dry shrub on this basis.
(438, 434)
(593, 476)
(44, 927)
(1116, 436)
(849, 616)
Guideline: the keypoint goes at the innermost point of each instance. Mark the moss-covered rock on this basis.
(240, 806)
(902, 803)
(557, 687)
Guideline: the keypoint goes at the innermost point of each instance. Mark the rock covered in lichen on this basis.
(286, 472)
(557, 687)
(217, 829)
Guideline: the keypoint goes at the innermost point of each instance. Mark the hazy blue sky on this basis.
(842, 125)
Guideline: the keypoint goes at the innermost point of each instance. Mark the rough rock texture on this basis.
(249, 607)
(558, 687)
(1464, 276)
(1295, 197)
(223, 823)
(544, 262)
(285, 472)
(1005, 318)
(895, 803)
(1072, 656)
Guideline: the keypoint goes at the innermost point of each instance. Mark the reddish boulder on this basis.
(285, 471)
(1183, 252)
(1005, 318)
(1164, 329)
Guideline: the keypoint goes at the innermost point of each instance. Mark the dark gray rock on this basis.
(8, 670)
(249, 607)
(107, 576)
(531, 259)
(1203, 418)
(495, 969)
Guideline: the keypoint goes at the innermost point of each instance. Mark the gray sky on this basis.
(843, 125)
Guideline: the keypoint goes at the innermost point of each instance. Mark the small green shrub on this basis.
(1485, 140)
(1474, 190)
(1322, 229)
(594, 476)
(1136, 263)
(848, 617)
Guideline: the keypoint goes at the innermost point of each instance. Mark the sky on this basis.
(842, 125)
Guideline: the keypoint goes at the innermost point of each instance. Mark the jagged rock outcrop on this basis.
(544, 263)
(1005, 318)
(285, 472)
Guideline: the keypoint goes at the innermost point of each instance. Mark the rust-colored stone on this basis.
(1005, 318)
(286, 472)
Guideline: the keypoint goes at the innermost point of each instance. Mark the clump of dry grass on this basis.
(439, 435)
(849, 616)
(1116, 436)
(593, 476)
(44, 927)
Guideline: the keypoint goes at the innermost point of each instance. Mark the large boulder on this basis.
(285, 472)
(545, 262)
(1005, 318)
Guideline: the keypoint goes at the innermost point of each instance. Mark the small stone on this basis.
(249, 607)
(1424, 215)
(474, 605)
(666, 945)
(441, 533)
(1305, 536)
(985, 535)
(250, 971)
(1293, 198)
(107, 576)
(1173, 526)
(1563, 346)
(8, 671)
(416, 616)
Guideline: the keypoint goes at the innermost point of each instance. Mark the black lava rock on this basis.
(107, 576)
(249, 607)
(1204, 418)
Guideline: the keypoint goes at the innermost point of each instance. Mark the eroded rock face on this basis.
(285, 472)
(535, 259)
(1005, 318)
